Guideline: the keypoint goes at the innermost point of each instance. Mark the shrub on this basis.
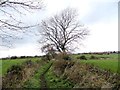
(43, 58)
(15, 69)
(46, 57)
(85, 75)
(29, 63)
(59, 67)
(36, 56)
(13, 77)
(93, 57)
(66, 57)
(22, 57)
(38, 61)
(13, 57)
(74, 73)
(63, 56)
(82, 57)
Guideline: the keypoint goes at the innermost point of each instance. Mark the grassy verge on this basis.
(35, 81)
(54, 82)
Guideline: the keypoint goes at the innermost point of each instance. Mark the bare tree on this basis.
(63, 29)
(10, 25)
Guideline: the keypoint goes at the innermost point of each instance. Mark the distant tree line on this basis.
(20, 57)
(101, 53)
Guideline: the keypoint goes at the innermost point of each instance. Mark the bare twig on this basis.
(10, 23)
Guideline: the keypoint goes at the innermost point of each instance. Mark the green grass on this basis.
(111, 65)
(52, 80)
(111, 56)
(8, 63)
(56, 82)
(35, 82)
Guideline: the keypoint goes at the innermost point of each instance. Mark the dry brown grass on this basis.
(15, 78)
(85, 76)
(63, 56)
(60, 66)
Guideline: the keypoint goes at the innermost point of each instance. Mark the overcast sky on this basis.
(100, 16)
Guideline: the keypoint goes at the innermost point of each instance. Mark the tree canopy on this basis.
(63, 30)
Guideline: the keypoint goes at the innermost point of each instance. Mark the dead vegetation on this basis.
(18, 74)
(86, 76)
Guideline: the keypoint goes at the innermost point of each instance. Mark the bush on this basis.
(13, 57)
(60, 66)
(22, 57)
(93, 57)
(63, 56)
(29, 63)
(74, 73)
(15, 69)
(43, 58)
(82, 57)
(14, 75)
(36, 56)
(66, 57)
(46, 57)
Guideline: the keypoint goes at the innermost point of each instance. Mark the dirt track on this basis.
(43, 80)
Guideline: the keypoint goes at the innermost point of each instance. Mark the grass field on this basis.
(110, 56)
(46, 77)
(111, 63)
(8, 63)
